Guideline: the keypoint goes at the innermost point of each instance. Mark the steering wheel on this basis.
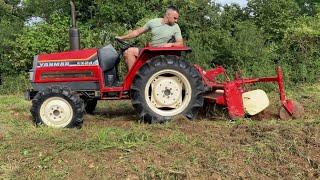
(123, 44)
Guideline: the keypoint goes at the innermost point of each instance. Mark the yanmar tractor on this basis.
(161, 85)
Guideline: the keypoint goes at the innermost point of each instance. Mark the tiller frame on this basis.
(229, 93)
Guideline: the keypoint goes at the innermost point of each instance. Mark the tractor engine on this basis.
(79, 70)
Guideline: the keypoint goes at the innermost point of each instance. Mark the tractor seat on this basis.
(108, 57)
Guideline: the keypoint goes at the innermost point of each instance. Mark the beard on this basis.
(171, 23)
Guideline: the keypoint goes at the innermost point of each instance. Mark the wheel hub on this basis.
(56, 113)
(167, 92)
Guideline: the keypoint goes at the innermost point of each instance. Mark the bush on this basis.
(301, 49)
(14, 84)
(253, 39)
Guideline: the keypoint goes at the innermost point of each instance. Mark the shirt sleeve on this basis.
(147, 26)
(177, 34)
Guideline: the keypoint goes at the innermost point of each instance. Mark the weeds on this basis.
(119, 138)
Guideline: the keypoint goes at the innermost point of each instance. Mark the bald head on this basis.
(171, 15)
(172, 8)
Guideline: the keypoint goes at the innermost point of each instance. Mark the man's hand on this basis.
(119, 38)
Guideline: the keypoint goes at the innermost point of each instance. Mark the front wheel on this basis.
(167, 86)
(57, 107)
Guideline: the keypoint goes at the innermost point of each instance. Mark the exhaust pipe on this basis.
(74, 34)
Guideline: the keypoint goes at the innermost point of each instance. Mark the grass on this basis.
(113, 145)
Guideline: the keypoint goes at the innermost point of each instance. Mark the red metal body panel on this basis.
(233, 99)
(209, 76)
(81, 55)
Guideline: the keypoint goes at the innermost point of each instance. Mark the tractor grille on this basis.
(82, 74)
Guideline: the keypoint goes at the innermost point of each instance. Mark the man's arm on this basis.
(132, 34)
(179, 42)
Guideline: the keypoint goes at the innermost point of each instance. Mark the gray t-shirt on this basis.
(162, 33)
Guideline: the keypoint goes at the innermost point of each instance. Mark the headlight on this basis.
(31, 75)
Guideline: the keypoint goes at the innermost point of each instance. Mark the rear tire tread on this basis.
(159, 63)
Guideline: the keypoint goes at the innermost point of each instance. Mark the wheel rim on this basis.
(168, 92)
(56, 112)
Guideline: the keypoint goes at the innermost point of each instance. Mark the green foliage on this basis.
(45, 38)
(301, 46)
(4, 8)
(14, 84)
(125, 13)
(264, 34)
(243, 48)
(309, 7)
(273, 16)
(42, 38)
(44, 8)
(11, 23)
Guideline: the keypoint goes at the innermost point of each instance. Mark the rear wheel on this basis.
(166, 87)
(57, 107)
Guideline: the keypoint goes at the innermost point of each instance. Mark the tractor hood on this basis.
(70, 68)
(68, 58)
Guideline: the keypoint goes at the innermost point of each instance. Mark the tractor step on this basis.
(116, 95)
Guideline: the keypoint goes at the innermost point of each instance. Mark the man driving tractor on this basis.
(165, 33)
(161, 86)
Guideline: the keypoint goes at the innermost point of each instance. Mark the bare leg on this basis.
(131, 55)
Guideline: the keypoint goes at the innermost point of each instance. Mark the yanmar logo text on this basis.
(74, 63)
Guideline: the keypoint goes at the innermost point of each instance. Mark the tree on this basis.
(309, 7)
(273, 16)
(11, 23)
(44, 8)
(301, 49)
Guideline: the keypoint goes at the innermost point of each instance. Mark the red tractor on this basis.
(161, 85)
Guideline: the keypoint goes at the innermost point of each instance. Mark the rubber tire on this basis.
(155, 65)
(90, 105)
(72, 98)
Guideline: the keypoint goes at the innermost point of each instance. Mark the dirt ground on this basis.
(112, 144)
